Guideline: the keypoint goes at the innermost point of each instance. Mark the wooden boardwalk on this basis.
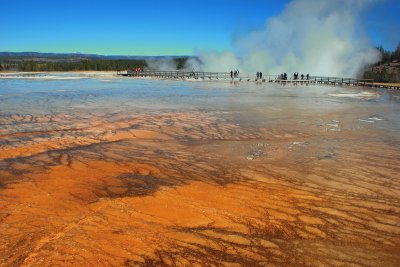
(248, 77)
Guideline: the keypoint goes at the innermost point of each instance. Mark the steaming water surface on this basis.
(136, 172)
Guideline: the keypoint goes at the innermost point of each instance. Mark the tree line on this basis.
(86, 64)
(389, 56)
(387, 70)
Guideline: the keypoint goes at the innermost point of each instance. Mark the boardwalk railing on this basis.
(340, 81)
(177, 74)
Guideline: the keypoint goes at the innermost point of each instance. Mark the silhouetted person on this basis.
(285, 76)
(237, 73)
(232, 74)
(308, 76)
(302, 76)
(260, 75)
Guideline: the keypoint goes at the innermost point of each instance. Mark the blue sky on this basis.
(155, 27)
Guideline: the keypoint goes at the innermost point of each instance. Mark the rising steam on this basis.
(166, 63)
(319, 37)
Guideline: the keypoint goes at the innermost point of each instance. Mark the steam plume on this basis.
(166, 63)
(319, 37)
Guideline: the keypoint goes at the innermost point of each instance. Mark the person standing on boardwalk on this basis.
(302, 76)
(260, 75)
(308, 76)
(231, 74)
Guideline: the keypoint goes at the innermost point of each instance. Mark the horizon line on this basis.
(94, 54)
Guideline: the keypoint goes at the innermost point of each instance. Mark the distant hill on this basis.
(384, 72)
(54, 57)
(35, 61)
(388, 69)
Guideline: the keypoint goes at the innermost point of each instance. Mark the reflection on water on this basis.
(135, 95)
(146, 172)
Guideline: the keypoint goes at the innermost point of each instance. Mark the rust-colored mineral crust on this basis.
(203, 188)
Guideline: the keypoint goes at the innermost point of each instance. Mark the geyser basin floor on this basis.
(162, 173)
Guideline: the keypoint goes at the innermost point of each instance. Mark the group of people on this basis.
(138, 69)
(234, 74)
(194, 75)
(284, 76)
(296, 76)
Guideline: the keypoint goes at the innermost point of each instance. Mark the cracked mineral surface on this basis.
(153, 173)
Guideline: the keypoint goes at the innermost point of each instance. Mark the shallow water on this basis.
(159, 172)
